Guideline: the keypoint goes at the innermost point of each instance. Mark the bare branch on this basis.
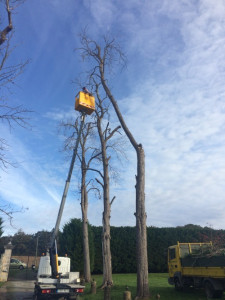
(8, 211)
(99, 182)
(95, 189)
(112, 200)
(14, 115)
(95, 170)
(112, 133)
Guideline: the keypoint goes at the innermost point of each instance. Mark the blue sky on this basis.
(171, 94)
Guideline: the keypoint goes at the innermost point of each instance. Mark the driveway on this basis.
(20, 285)
(17, 290)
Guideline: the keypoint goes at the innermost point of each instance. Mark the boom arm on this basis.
(53, 247)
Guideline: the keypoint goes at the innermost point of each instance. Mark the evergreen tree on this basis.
(71, 243)
(1, 226)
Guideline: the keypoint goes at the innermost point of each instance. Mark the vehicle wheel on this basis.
(21, 267)
(178, 285)
(211, 292)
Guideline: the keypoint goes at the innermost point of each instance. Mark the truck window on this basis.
(184, 250)
(172, 253)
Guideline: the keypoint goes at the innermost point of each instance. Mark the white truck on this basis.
(66, 286)
(54, 279)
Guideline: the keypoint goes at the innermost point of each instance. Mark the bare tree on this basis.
(105, 135)
(9, 114)
(85, 161)
(84, 203)
(103, 58)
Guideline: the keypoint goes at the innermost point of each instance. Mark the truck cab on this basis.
(173, 261)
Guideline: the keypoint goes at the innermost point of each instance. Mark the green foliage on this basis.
(97, 234)
(41, 240)
(1, 232)
(3, 241)
(71, 243)
(23, 243)
(123, 249)
(1, 226)
(27, 244)
(123, 245)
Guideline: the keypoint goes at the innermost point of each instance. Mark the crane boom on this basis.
(53, 247)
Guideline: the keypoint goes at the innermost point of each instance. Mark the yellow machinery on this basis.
(197, 265)
(85, 102)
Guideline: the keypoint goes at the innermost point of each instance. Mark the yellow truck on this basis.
(197, 265)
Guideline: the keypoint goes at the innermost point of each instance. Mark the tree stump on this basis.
(93, 287)
(127, 295)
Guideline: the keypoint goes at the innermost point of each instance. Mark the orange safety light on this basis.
(85, 102)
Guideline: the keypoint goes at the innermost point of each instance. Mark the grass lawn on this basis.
(157, 283)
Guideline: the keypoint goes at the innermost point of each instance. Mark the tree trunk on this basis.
(107, 293)
(84, 208)
(141, 234)
(106, 248)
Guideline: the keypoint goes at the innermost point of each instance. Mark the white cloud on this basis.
(59, 115)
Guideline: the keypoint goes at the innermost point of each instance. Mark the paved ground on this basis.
(17, 290)
(20, 285)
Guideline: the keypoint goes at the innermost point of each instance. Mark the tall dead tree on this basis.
(103, 58)
(85, 162)
(84, 205)
(104, 136)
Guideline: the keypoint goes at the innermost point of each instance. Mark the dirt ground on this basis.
(20, 285)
